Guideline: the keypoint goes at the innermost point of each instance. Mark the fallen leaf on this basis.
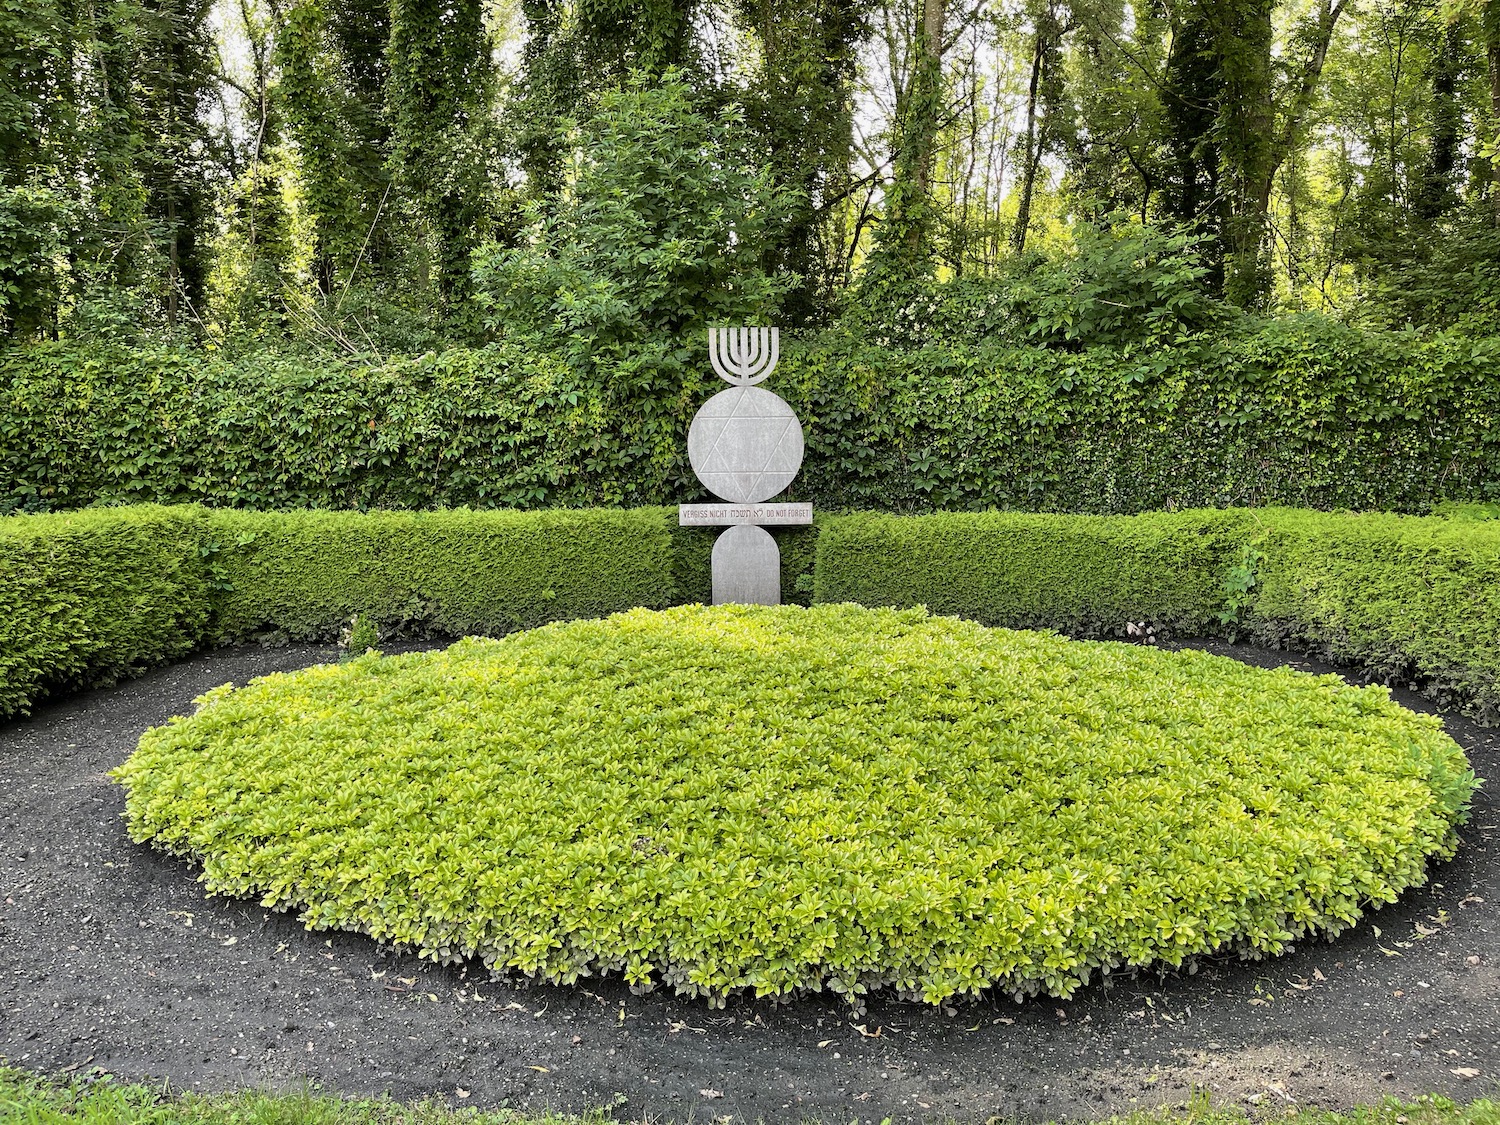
(707, 1093)
(229, 941)
(1465, 1072)
(433, 997)
(1471, 960)
(461, 1092)
(1318, 975)
(1388, 952)
(866, 1032)
(824, 1042)
(410, 982)
(539, 1069)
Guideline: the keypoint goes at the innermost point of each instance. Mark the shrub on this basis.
(1410, 599)
(661, 232)
(1118, 283)
(304, 574)
(1086, 575)
(784, 799)
(89, 597)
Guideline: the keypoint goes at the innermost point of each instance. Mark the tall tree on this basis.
(904, 244)
(577, 49)
(1260, 119)
(1490, 138)
(438, 100)
(1437, 192)
(174, 78)
(1043, 106)
(800, 101)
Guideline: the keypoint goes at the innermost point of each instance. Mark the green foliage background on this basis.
(1300, 412)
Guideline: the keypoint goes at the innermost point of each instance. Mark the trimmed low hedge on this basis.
(448, 573)
(779, 799)
(1085, 575)
(98, 594)
(1410, 599)
(90, 597)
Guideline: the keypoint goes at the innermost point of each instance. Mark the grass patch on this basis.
(745, 798)
(27, 1099)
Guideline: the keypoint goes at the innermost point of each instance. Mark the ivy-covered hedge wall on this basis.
(1297, 412)
(90, 596)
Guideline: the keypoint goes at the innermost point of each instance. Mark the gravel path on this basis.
(111, 957)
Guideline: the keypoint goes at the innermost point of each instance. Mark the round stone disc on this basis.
(745, 444)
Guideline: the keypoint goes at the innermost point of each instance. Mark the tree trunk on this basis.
(1435, 193)
(927, 104)
(1491, 20)
(1032, 154)
(1252, 144)
(1243, 39)
(904, 244)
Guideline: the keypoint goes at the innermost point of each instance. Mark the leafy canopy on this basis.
(659, 232)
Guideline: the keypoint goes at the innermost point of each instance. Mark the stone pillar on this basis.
(745, 444)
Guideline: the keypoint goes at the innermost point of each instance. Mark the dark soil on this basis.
(111, 957)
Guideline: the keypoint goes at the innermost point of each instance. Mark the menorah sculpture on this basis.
(745, 445)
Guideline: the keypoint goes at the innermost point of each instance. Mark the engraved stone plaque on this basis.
(766, 515)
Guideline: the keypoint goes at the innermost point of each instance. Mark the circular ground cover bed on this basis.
(777, 799)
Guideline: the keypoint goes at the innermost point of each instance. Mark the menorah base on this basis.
(746, 567)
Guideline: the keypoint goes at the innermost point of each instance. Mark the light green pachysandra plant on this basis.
(781, 799)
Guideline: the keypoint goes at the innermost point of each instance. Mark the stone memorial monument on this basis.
(745, 445)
